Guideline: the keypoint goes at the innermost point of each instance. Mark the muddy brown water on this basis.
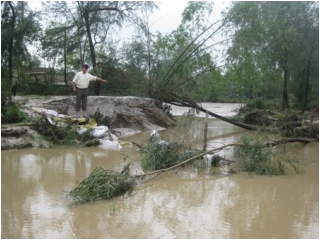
(189, 203)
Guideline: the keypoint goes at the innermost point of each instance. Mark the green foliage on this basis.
(36, 88)
(275, 43)
(267, 38)
(56, 134)
(10, 112)
(197, 12)
(256, 104)
(102, 184)
(59, 42)
(288, 121)
(256, 111)
(288, 116)
(26, 31)
(157, 156)
(254, 157)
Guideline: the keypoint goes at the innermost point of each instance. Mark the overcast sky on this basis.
(165, 19)
(169, 16)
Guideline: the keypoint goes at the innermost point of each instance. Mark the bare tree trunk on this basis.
(205, 140)
(305, 101)
(236, 123)
(80, 49)
(304, 107)
(97, 84)
(91, 46)
(65, 57)
(285, 99)
(187, 102)
(149, 64)
(10, 49)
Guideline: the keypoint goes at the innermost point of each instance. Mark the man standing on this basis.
(97, 71)
(80, 86)
(14, 86)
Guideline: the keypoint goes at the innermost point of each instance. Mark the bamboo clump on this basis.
(102, 184)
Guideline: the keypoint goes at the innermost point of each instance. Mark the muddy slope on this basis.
(125, 115)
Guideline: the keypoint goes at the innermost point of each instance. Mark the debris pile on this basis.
(104, 137)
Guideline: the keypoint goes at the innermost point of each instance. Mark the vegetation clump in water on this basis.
(290, 123)
(254, 157)
(156, 156)
(106, 184)
(103, 184)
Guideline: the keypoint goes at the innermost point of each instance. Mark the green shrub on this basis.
(157, 156)
(34, 88)
(56, 134)
(10, 112)
(258, 104)
(254, 157)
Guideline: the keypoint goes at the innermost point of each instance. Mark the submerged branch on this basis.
(284, 141)
(188, 160)
(187, 102)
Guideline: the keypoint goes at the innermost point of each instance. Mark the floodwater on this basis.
(187, 203)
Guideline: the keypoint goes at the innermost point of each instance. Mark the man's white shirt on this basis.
(83, 80)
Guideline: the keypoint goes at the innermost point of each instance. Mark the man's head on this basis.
(99, 64)
(85, 68)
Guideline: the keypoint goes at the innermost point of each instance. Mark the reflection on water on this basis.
(179, 204)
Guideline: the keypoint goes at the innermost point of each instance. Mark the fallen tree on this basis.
(252, 158)
(188, 160)
(184, 101)
(106, 184)
(284, 141)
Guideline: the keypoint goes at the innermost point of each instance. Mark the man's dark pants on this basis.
(97, 86)
(82, 96)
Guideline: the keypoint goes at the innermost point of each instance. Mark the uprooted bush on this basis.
(255, 157)
(103, 184)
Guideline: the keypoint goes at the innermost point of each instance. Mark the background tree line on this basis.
(272, 50)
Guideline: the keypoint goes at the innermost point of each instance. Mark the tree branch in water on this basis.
(188, 160)
(284, 141)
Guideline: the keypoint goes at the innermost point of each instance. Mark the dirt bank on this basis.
(123, 115)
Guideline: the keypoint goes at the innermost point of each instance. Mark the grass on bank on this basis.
(10, 111)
